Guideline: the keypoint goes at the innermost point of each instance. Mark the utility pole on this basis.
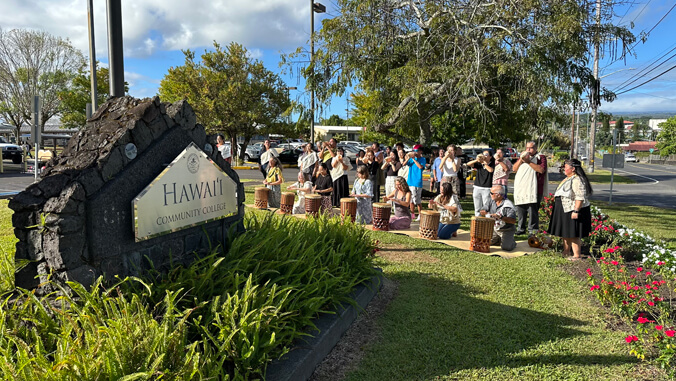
(92, 58)
(572, 134)
(319, 8)
(115, 52)
(596, 89)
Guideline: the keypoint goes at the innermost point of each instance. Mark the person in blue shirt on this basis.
(416, 163)
(436, 172)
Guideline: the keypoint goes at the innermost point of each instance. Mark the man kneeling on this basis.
(504, 213)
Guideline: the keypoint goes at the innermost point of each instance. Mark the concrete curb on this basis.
(307, 353)
(256, 166)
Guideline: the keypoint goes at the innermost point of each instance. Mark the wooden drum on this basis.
(381, 216)
(286, 204)
(348, 208)
(481, 232)
(312, 204)
(261, 197)
(429, 224)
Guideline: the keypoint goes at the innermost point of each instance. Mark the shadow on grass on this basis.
(436, 327)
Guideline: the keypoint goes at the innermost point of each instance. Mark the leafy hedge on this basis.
(226, 316)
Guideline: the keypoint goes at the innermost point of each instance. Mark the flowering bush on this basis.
(635, 296)
(546, 209)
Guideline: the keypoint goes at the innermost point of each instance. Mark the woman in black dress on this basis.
(373, 166)
(324, 187)
(571, 216)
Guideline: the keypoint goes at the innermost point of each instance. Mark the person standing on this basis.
(530, 185)
(502, 210)
(503, 167)
(571, 216)
(362, 191)
(328, 151)
(403, 171)
(307, 161)
(223, 148)
(447, 204)
(462, 175)
(372, 167)
(391, 167)
(436, 173)
(273, 181)
(379, 157)
(416, 165)
(484, 165)
(265, 157)
(339, 164)
(450, 165)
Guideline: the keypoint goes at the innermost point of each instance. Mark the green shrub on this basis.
(561, 156)
(226, 316)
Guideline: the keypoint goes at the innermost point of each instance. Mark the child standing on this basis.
(362, 190)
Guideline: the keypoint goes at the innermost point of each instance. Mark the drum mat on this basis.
(459, 242)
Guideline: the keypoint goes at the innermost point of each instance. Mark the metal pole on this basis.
(612, 169)
(88, 110)
(115, 52)
(36, 133)
(92, 55)
(572, 134)
(592, 137)
(312, 72)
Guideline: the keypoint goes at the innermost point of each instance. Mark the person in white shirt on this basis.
(265, 157)
(341, 188)
(450, 166)
(302, 187)
(223, 148)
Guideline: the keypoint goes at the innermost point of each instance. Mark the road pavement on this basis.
(655, 184)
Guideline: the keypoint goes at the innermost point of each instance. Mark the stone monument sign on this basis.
(138, 187)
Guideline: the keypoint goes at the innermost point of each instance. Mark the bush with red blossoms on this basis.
(634, 295)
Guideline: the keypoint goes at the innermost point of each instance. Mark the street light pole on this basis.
(115, 52)
(595, 91)
(319, 8)
(92, 57)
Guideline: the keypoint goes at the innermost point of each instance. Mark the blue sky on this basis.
(155, 31)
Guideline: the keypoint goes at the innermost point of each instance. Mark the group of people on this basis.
(324, 172)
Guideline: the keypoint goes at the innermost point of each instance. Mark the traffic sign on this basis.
(652, 150)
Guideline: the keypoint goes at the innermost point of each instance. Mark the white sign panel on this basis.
(192, 190)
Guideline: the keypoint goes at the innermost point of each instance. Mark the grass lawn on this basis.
(656, 222)
(7, 249)
(601, 176)
(460, 315)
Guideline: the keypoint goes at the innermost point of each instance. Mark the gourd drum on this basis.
(286, 204)
(381, 216)
(481, 232)
(348, 208)
(312, 204)
(261, 197)
(429, 224)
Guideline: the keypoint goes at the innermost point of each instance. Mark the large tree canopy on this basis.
(34, 63)
(497, 68)
(74, 100)
(230, 92)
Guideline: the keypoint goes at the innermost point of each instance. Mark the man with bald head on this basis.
(504, 213)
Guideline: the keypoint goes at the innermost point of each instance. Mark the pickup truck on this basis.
(11, 151)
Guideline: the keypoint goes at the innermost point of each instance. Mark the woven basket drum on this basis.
(381, 216)
(429, 224)
(261, 197)
(348, 208)
(286, 204)
(481, 232)
(312, 204)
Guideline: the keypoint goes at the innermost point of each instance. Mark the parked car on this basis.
(11, 151)
(473, 152)
(252, 152)
(350, 151)
(350, 143)
(630, 157)
(511, 153)
(290, 156)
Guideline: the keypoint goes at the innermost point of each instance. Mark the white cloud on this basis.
(151, 25)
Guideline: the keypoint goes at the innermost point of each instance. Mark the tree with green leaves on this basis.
(507, 67)
(34, 63)
(666, 139)
(230, 92)
(74, 100)
(619, 125)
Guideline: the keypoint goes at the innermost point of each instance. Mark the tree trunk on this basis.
(247, 139)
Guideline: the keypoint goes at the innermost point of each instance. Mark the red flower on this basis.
(639, 269)
(630, 338)
(648, 273)
(614, 263)
(658, 327)
(642, 320)
(594, 287)
(589, 272)
(660, 263)
(670, 333)
(651, 303)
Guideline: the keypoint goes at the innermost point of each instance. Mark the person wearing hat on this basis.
(416, 163)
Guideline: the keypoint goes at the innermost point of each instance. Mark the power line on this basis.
(642, 9)
(625, 13)
(650, 80)
(638, 75)
(665, 15)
